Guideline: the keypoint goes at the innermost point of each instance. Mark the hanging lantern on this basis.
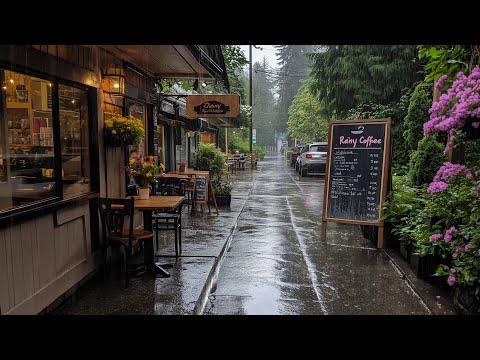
(113, 81)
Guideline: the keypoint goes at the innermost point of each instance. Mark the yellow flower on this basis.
(114, 131)
(151, 158)
(149, 174)
(162, 166)
(132, 161)
(144, 165)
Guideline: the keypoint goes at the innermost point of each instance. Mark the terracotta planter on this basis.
(144, 193)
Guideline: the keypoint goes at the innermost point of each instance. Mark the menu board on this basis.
(201, 190)
(356, 174)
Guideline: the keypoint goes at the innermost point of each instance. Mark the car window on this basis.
(318, 148)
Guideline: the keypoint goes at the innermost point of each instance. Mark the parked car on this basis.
(295, 153)
(313, 158)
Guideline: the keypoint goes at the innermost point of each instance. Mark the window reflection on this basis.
(73, 104)
(26, 138)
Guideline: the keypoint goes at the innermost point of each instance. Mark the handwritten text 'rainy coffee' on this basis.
(365, 141)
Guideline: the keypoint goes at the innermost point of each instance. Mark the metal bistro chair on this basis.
(170, 221)
(112, 215)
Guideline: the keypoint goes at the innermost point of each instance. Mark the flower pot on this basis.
(223, 200)
(144, 193)
(181, 168)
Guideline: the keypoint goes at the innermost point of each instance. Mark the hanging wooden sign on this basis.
(216, 105)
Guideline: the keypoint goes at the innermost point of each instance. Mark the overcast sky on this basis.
(257, 54)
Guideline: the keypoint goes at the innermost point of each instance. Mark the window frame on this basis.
(55, 202)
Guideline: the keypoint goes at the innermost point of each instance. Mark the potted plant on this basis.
(145, 172)
(122, 131)
(223, 190)
(182, 165)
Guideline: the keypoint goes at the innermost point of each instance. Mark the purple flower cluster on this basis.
(437, 186)
(451, 280)
(440, 82)
(448, 170)
(461, 101)
(448, 234)
(435, 237)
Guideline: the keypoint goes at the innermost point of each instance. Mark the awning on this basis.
(174, 61)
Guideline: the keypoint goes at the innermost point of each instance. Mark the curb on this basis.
(211, 283)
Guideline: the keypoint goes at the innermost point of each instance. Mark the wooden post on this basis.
(380, 237)
(226, 141)
(324, 231)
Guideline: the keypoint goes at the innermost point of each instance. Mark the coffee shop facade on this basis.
(53, 159)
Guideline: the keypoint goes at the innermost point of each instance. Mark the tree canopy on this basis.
(306, 121)
(348, 75)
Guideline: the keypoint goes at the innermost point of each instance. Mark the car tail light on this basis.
(308, 156)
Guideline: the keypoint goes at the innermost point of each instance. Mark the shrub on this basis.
(259, 152)
(425, 161)
(420, 102)
(209, 158)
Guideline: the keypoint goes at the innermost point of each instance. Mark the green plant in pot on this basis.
(222, 186)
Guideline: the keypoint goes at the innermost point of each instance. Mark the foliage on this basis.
(345, 76)
(455, 235)
(397, 112)
(294, 66)
(124, 130)
(443, 59)
(144, 170)
(259, 152)
(425, 161)
(402, 207)
(420, 102)
(306, 121)
(234, 61)
(461, 103)
(239, 140)
(264, 116)
(472, 152)
(222, 185)
(208, 157)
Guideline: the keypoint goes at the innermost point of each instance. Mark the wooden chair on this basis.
(112, 215)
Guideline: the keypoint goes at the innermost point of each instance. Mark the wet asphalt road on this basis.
(276, 263)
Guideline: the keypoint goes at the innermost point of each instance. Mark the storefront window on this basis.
(26, 137)
(73, 104)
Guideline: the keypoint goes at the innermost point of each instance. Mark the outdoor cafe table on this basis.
(155, 203)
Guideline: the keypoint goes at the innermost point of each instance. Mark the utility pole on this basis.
(250, 97)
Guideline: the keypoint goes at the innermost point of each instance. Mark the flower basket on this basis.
(123, 131)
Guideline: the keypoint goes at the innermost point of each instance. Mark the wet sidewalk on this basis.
(203, 237)
(263, 255)
(276, 263)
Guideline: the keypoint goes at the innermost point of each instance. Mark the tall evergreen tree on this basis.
(263, 103)
(345, 76)
(294, 67)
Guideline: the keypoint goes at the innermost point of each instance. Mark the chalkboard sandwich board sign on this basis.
(201, 190)
(357, 173)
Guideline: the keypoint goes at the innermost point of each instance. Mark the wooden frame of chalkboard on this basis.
(352, 194)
